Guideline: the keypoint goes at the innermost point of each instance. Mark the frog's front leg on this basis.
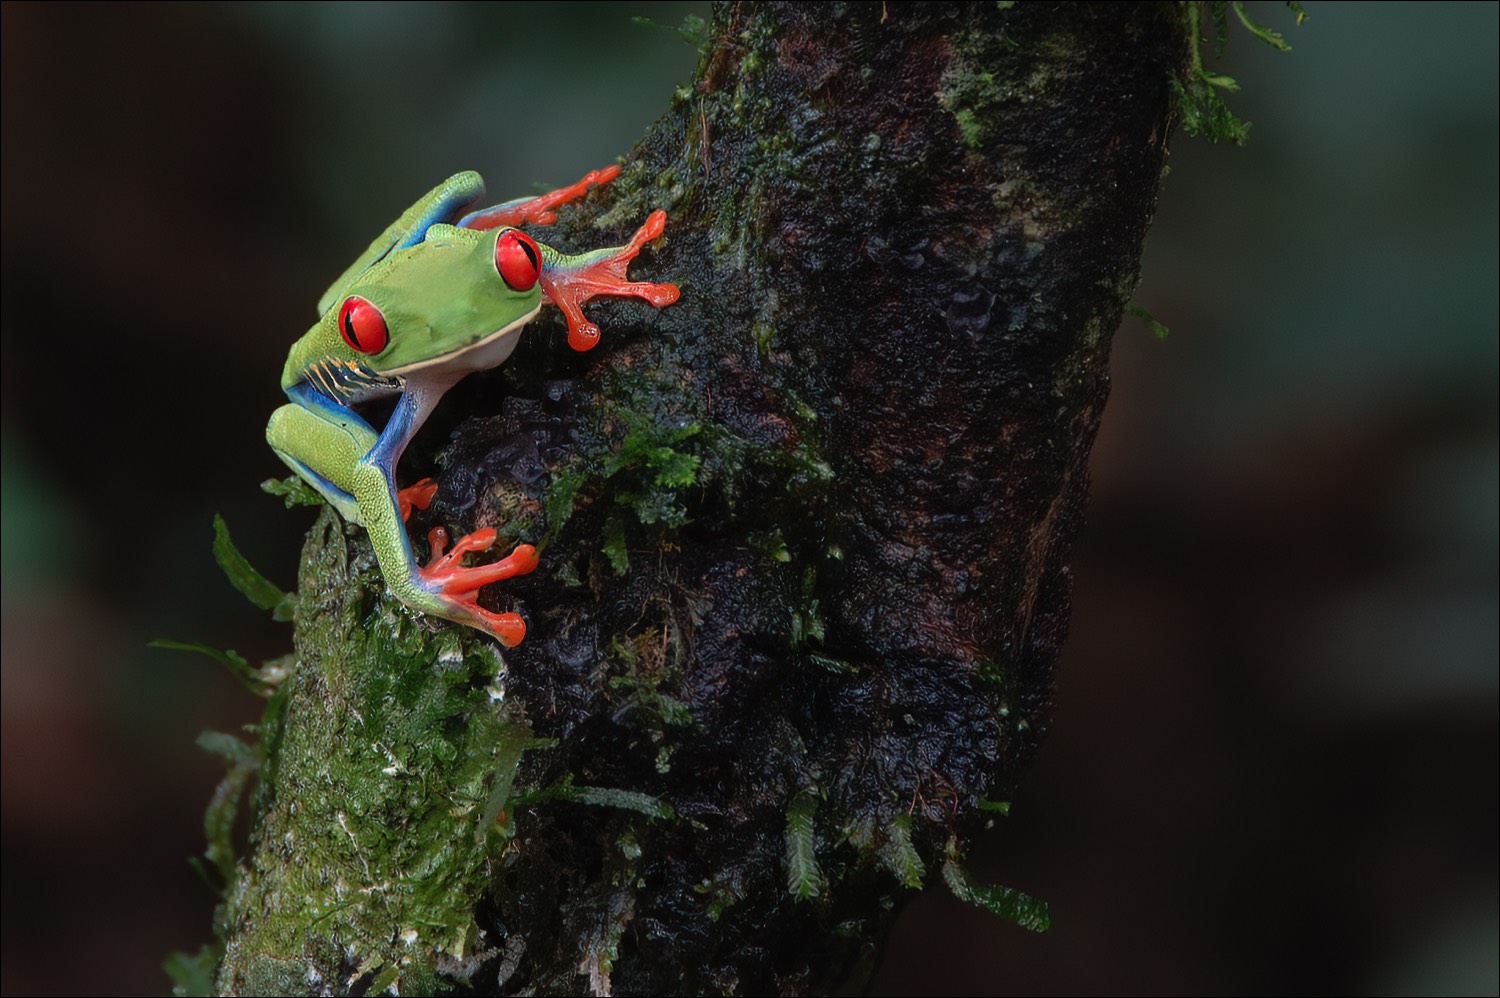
(336, 451)
(570, 281)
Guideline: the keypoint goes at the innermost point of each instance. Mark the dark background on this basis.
(1273, 767)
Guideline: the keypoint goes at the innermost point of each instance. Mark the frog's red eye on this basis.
(518, 260)
(363, 326)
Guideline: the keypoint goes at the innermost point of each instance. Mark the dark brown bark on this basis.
(846, 471)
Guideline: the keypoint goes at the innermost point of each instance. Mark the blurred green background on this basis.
(1273, 767)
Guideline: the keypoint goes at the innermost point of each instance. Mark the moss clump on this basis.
(1199, 92)
(373, 823)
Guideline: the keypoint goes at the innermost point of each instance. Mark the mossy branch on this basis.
(805, 533)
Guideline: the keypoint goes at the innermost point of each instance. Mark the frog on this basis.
(443, 292)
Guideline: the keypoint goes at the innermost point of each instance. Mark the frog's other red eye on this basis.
(518, 259)
(363, 326)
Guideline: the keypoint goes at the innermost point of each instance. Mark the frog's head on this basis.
(451, 303)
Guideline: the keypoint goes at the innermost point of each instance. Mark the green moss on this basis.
(192, 975)
(804, 879)
(721, 895)
(898, 854)
(1006, 902)
(293, 491)
(561, 497)
(771, 544)
(643, 480)
(385, 815)
(661, 710)
(626, 800)
(968, 124)
(252, 585)
(693, 30)
(1199, 93)
(224, 806)
(971, 92)
(1158, 329)
(242, 670)
(807, 623)
(837, 666)
(616, 546)
(647, 662)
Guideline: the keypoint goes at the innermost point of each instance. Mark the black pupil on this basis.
(530, 254)
(349, 328)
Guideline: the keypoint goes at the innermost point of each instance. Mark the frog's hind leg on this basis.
(307, 441)
(458, 587)
(538, 210)
(341, 456)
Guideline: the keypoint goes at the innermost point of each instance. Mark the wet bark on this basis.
(804, 533)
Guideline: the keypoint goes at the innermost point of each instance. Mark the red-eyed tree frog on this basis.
(438, 295)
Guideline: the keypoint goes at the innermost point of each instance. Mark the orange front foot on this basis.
(458, 587)
(569, 281)
(418, 496)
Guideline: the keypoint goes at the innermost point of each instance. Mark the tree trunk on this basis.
(804, 534)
